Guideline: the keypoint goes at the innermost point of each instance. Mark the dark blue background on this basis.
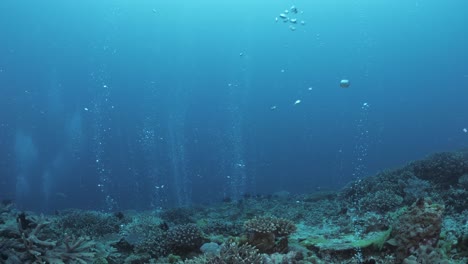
(176, 116)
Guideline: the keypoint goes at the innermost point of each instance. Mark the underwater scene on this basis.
(234, 131)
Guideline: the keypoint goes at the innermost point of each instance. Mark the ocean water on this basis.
(112, 105)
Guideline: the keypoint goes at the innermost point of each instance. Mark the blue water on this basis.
(114, 105)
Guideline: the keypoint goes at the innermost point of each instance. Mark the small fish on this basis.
(297, 102)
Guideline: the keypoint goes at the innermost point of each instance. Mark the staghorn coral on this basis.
(29, 244)
(71, 250)
(5, 206)
(9, 228)
(30, 239)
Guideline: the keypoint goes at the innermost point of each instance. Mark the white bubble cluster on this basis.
(289, 16)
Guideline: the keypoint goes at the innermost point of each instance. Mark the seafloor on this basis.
(414, 214)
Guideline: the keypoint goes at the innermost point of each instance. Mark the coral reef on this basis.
(231, 253)
(443, 169)
(89, 223)
(269, 234)
(426, 254)
(29, 244)
(178, 216)
(419, 225)
(414, 214)
(146, 234)
(184, 239)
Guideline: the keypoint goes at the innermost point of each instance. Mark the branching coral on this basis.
(5, 206)
(278, 226)
(185, 238)
(72, 250)
(269, 234)
(28, 244)
(231, 253)
(235, 253)
(93, 224)
(33, 245)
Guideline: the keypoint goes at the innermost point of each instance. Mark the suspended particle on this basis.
(294, 9)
